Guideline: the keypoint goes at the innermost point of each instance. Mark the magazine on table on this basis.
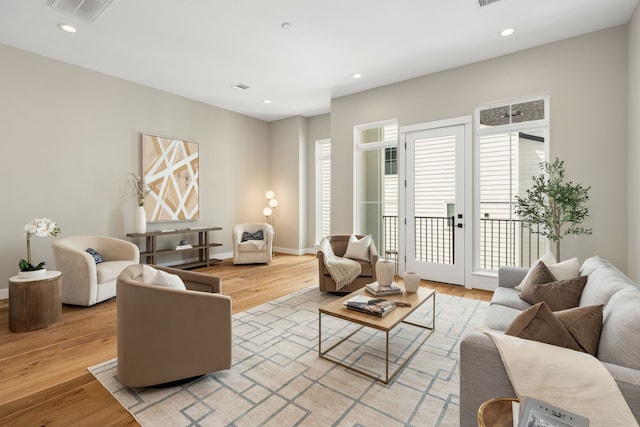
(536, 413)
(375, 306)
(376, 290)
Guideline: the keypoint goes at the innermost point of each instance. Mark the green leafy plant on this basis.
(40, 227)
(555, 206)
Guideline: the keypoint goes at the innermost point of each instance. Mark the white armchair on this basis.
(252, 251)
(84, 282)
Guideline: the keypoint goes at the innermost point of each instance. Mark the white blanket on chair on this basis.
(575, 381)
(343, 271)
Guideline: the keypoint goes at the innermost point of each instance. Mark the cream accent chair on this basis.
(83, 281)
(167, 334)
(339, 243)
(252, 251)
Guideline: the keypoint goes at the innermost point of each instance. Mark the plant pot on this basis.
(411, 281)
(384, 272)
(35, 274)
(141, 220)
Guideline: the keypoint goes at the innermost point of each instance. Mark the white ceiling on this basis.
(200, 48)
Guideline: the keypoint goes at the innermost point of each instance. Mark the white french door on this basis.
(435, 203)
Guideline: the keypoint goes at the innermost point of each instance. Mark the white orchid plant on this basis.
(140, 188)
(40, 227)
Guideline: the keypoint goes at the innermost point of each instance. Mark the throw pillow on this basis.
(559, 295)
(547, 258)
(358, 249)
(252, 236)
(96, 256)
(538, 323)
(584, 324)
(538, 274)
(168, 280)
(148, 273)
(566, 269)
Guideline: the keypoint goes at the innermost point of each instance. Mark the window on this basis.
(511, 143)
(376, 210)
(323, 189)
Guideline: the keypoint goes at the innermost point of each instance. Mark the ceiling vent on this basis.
(88, 10)
(240, 86)
(483, 3)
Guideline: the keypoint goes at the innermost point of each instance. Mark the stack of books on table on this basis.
(376, 290)
(375, 306)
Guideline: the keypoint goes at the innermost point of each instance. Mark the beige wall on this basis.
(633, 117)
(586, 79)
(70, 136)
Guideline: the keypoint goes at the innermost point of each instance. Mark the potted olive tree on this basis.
(557, 207)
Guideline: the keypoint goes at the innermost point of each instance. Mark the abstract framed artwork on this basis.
(171, 170)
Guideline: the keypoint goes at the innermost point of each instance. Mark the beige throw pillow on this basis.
(168, 280)
(559, 295)
(538, 323)
(358, 249)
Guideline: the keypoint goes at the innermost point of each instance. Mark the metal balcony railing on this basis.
(501, 241)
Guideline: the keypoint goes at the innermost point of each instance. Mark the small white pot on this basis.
(384, 272)
(35, 274)
(411, 281)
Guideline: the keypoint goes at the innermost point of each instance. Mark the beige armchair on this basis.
(83, 281)
(339, 243)
(252, 251)
(166, 334)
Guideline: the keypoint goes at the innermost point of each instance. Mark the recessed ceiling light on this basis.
(267, 101)
(67, 28)
(507, 32)
(356, 75)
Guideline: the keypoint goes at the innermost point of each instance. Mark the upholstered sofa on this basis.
(482, 372)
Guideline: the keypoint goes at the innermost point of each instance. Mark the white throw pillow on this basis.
(148, 273)
(358, 249)
(168, 280)
(561, 270)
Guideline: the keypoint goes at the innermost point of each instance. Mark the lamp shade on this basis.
(269, 194)
(273, 203)
(267, 211)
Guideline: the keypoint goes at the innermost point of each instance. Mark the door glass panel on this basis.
(435, 179)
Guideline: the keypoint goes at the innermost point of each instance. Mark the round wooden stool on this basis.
(35, 303)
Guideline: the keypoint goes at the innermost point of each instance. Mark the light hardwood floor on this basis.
(43, 374)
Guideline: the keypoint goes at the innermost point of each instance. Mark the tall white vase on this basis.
(411, 281)
(141, 220)
(384, 272)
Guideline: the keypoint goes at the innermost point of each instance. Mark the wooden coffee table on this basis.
(385, 324)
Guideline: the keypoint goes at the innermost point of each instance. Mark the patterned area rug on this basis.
(277, 378)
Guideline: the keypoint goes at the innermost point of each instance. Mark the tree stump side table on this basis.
(35, 303)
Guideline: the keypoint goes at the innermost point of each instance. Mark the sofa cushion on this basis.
(509, 297)
(538, 323)
(168, 280)
(604, 281)
(252, 236)
(109, 270)
(358, 249)
(500, 317)
(620, 337)
(558, 295)
(584, 324)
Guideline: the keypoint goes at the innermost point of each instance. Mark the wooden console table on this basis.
(151, 252)
(35, 303)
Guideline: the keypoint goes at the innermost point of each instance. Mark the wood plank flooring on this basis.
(44, 379)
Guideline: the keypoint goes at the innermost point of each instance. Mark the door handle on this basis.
(459, 225)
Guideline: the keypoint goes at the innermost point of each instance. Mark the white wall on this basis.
(633, 118)
(70, 136)
(586, 79)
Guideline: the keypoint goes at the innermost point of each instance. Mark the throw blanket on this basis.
(575, 381)
(343, 271)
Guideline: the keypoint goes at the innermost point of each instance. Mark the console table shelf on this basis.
(151, 252)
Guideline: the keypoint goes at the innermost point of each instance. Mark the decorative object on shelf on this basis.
(171, 170)
(411, 281)
(40, 227)
(555, 207)
(272, 203)
(384, 272)
(141, 190)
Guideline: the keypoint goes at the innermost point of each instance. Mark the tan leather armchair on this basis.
(339, 243)
(167, 334)
(252, 252)
(83, 281)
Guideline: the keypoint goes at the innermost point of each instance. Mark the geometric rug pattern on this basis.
(277, 378)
